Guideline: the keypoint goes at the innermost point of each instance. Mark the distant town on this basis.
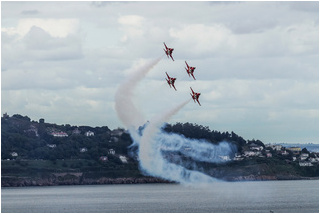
(303, 156)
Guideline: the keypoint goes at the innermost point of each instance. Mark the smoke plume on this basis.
(151, 143)
(154, 142)
(127, 112)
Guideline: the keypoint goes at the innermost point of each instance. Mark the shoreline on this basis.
(79, 180)
(57, 181)
(268, 178)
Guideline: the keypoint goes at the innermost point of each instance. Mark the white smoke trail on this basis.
(130, 116)
(154, 141)
(198, 150)
(149, 155)
(127, 112)
(152, 160)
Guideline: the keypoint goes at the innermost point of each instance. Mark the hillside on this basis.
(40, 153)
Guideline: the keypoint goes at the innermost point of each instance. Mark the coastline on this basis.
(74, 180)
(70, 179)
(268, 178)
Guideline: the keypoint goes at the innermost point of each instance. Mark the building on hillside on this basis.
(14, 154)
(284, 152)
(277, 147)
(295, 150)
(51, 145)
(255, 147)
(84, 149)
(89, 133)
(251, 153)
(314, 160)
(123, 159)
(111, 152)
(305, 164)
(238, 157)
(59, 134)
(304, 156)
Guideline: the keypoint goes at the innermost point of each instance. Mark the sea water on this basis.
(219, 197)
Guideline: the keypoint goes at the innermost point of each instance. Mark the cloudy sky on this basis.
(257, 64)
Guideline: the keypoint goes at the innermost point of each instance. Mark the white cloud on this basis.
(40, 39)
(55, 27)
(40, 45)
(201, 39)
(301, 38)
(132, 25)
(131, 20)
(257, 62)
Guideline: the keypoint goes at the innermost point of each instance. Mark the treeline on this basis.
(31, 139)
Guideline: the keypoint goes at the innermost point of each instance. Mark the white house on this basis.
(277, 147)
(123, 159)
(295, 150)
(313, 160)
(305, 164)
(256, 148)
(238, 157)
(304, 156)
(52, 145)
(112, 152)
(89, 133)
(14, 154)
(59, 134)
(84, 149)
(252, 153)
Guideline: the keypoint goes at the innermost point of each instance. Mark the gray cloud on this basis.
(257, 63)
(309, 6)
(40, 45)
(30, 12)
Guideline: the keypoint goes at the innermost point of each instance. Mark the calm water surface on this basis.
(220, 197)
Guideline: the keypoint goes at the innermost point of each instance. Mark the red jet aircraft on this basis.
(195, 96)
(171, 81)
(168, 51)
(190, 70)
